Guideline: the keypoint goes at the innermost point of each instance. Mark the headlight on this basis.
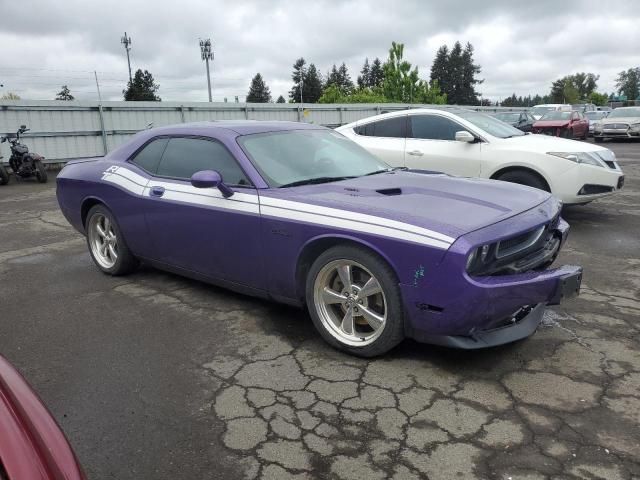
(590, 158)
(635, 126)
(597, 127)
(478, 258)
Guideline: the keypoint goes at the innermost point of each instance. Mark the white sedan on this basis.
(471, 144)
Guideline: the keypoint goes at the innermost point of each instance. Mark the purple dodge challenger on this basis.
(299, 214)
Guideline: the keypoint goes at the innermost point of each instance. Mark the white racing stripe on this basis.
(278, 208)
(357, 217)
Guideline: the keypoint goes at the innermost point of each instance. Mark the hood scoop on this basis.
(390, 191)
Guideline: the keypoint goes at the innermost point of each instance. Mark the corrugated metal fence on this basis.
(63, 131)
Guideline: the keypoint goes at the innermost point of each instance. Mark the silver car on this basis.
(593, 118)
(623, 122)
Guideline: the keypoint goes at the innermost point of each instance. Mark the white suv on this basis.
(471, 144)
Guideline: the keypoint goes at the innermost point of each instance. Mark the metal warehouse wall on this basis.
(65, 130)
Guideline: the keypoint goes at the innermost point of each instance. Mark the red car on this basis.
(32, 446)
(563, 124)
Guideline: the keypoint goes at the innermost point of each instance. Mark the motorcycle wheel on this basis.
(4, 175)
(41, 173)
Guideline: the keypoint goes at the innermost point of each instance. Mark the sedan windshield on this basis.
(508, 117)
(491, 125)
(625, 112)
(595, 115)
(298, 157)
(556, 116)
(539, 111)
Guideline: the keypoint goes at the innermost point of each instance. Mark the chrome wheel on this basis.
(350, 302)
(103, 241)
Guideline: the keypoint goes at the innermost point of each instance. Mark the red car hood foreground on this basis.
(32, 446)
(551, 123)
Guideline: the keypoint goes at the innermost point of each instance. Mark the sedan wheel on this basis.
(106, 243)
(354, 301)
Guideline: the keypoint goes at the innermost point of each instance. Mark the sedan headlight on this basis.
(597, 127)
(589, 158)
(635, 127)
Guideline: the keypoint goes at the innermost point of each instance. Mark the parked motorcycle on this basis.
(23, 163)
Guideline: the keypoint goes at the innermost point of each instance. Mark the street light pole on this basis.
(206, 52)
(126, 41)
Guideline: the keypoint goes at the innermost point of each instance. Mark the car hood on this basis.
(545, 143)
(551, 123)
(451, 206)
(628, 120)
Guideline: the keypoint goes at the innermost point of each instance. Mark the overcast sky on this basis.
(521, 46)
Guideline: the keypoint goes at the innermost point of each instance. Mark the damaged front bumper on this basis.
(517, 326)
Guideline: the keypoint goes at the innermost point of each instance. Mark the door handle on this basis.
(415, 153)
(157, 191)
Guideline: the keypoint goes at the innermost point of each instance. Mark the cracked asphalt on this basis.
(153, 376)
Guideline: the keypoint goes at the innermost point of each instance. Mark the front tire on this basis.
(4, 175)
(354, 301)
(523, 177)
(567, 133)
(106, 243)
(41, 172)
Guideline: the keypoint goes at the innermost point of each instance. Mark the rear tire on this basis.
(4, 175)
(523, 177)
(41, 172)
(365, 318)
(106, 243)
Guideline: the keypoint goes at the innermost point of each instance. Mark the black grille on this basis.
(514, 244)
(589, 189)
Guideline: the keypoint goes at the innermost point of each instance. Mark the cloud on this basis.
(522, 48)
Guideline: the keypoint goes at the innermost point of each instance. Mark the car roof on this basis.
(241, 127)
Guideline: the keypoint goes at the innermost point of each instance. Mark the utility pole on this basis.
(126, 41)
(206, 52)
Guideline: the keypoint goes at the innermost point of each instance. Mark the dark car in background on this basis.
(563, 124)
(521, 120)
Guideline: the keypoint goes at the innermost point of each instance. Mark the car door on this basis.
(384, 138)
(198, 229)
(431, 145)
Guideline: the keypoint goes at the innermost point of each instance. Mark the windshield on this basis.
(556, 116)
(491, 125)
(595, 115)
(296, 156)
(539, 111)
(508, 117)
(625, 112)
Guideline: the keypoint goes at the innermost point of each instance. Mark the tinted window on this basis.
(390, 127)
(149, 157)
(434, 127)
(185, 156)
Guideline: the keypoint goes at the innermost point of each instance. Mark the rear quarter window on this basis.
(149, 157)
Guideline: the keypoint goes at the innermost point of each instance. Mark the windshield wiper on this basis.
(386, 170)
(314, 181)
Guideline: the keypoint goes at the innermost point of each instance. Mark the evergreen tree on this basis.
(364, 79)
(312, 88)
(401, 82)
(281, 99)
(333, 77)
(258, 91)
(455, 69)
(64, 94)
(440, 69)
(298, 78)
(376, 76)
(142, 88)
(345, 79)
(467, 94)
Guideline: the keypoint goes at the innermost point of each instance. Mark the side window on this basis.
(149, 157)
(433, 127)
(185, 156)
(394, 127)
